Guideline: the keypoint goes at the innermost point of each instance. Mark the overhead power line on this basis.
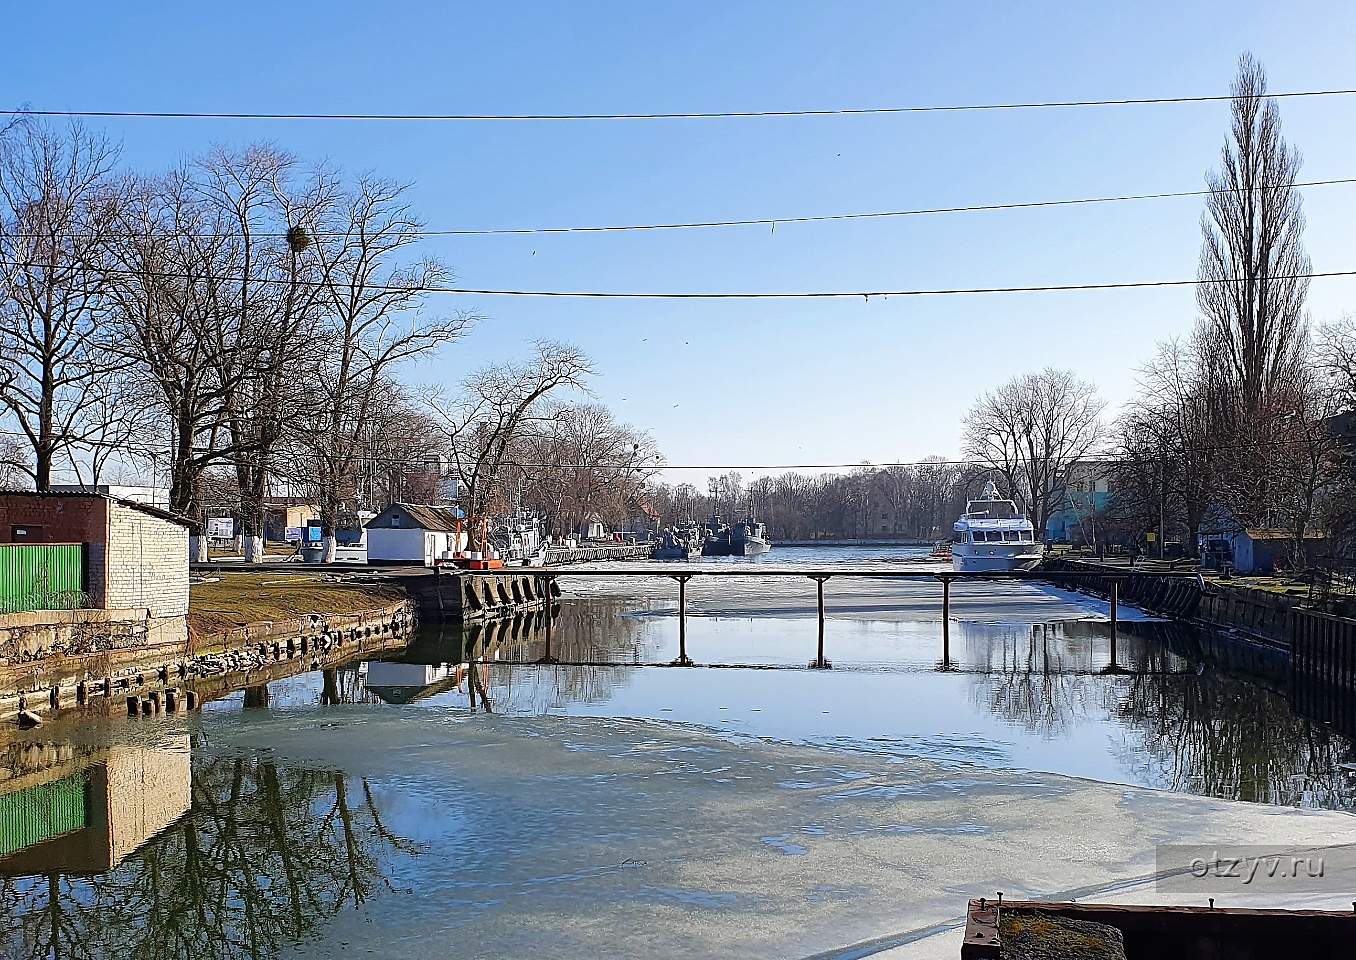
(715, 295)
(752, 222)
(689, 115)
(648, 465)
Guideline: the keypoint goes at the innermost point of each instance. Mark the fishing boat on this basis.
(993, 535)
(715, 538)
(517, 540)
(748, 538)
(683, 542)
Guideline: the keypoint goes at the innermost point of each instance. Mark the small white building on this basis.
(592, 528)
(413, 533)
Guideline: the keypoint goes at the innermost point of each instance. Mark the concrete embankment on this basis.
(60, 661)
(1263, 614)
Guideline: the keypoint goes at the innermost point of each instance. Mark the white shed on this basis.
(412, 533)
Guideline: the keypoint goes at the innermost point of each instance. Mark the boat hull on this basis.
(997, 561)
(749, 548)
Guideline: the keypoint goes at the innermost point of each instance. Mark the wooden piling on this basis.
(133, 706)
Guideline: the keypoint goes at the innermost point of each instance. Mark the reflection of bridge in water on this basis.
(591, 646)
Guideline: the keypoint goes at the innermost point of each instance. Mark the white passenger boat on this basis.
(993, 535)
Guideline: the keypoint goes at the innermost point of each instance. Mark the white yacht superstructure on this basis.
(993, 535)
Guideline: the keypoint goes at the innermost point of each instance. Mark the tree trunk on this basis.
(329, 522)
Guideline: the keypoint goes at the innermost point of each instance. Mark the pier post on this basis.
(1115, 597)
(819, 663)
(946, 623)
(683, 659)
(548, 657)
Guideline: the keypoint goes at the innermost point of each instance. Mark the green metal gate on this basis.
(41, 576)
(40, 813)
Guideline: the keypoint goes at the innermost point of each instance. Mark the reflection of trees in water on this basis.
(264, 856)
(1027, 674)
(1227, 737)
(582, 635)
(1184, 728)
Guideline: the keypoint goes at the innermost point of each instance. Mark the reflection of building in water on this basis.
(87, 811)
(394, 682)
(590, 640)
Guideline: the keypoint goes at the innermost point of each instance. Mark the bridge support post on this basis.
(819, 662)
(946, 623)
(548, 657)
(1115, 598)
(683, 659)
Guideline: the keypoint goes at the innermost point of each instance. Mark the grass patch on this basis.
(236, 599)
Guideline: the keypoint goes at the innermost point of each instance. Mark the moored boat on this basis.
(682, 542)
(715, 538)
(748, 538)
(994, 536)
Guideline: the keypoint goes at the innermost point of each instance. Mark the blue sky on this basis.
(755, 382)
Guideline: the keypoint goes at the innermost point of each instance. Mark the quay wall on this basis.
(459, 597)
(132, 662)
(1315, 650)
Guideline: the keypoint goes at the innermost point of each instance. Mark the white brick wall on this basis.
(146, 563)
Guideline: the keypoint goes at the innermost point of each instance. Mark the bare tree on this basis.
(1031, 430)
(496, 405)
(1252, 290)
(1337, 359)
(12, 462)
(371, 321)
(582, 460)
(1251, 297)
(267, 308)
(57, 208)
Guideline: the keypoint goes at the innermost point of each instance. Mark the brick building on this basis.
(134, 556)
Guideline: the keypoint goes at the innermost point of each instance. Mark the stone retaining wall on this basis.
(80, 679)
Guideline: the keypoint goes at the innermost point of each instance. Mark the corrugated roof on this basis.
(87, 494)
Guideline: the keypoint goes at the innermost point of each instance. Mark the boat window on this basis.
(994, 509)
(1012, 535)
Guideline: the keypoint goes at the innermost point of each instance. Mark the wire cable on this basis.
(692, 115)
(715, 295)
(750, 222)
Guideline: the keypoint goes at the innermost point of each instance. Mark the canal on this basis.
(460, 800)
